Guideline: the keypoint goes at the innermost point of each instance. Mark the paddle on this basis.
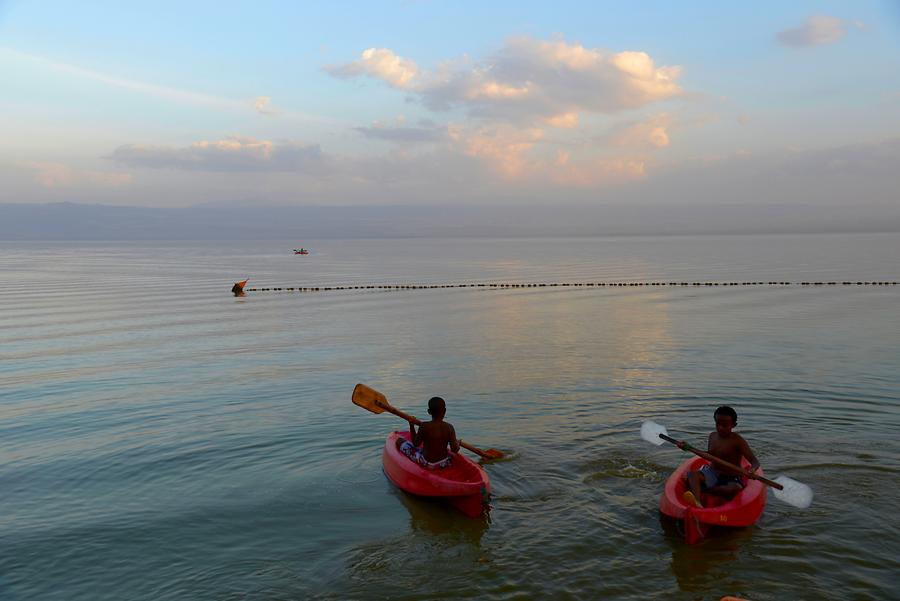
(374, 401)
(787, 489)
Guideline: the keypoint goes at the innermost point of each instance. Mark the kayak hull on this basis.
(464, 484)
(741, 510)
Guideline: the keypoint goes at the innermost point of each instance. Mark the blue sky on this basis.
(416, 102)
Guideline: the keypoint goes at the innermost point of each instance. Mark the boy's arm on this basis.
(413, 435)
(454, 442)
(747, 452)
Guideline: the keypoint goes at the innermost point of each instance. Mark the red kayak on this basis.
(464, 484)
(741, 510)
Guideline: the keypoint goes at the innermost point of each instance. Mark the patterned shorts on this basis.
(415, 453)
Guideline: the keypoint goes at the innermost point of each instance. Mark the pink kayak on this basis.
(741, 510)
(464, 484)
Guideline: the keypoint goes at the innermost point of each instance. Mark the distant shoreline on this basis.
(72, 221)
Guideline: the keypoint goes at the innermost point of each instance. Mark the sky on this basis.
(431, 103)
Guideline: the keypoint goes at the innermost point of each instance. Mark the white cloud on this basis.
(263, 106)
(508, 152)
(380, 63)
(514, 95)
(563, 121)
(652, 133)
(528, 81)
(230, 154)
(58, 175)
(817, 30)
(503, 147)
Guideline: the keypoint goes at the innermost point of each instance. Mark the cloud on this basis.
(817, 30)
(506, 150)
(58, 175)
(511, 98)
(164, 92)
(380, 63)
(230, 154)
(563, 121)
(652, 133)
(502, 146)
(528, 80)
(593, 172)
(403, 134)
(263, 106)
(864, 160)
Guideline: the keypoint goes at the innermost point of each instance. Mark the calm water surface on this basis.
(162, 439)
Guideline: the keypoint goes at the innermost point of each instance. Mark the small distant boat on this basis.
(301, 251)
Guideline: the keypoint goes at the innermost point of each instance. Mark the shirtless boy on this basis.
(716, 479)
(429, 445)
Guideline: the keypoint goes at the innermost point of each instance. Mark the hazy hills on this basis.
(69, 221)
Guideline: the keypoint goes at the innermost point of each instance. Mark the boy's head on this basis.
(726, 419)
(436, 407)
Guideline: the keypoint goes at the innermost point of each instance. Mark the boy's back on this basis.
(435, 436)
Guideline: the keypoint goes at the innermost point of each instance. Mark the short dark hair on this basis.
(436, 404)
(726, 410)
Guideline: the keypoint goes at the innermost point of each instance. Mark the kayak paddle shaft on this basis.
(727, 464)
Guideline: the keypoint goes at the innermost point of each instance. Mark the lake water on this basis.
(163, 439)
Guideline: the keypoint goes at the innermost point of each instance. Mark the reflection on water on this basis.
(562, 337)
(706, 564)
(164, 440)
(437, 553)
(435, 518)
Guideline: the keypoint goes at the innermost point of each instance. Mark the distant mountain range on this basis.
(70, 221)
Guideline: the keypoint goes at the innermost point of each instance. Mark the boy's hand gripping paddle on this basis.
(374, 401)
(786, 489)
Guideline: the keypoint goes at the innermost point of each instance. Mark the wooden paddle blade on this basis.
(493, 454)
(369, 398)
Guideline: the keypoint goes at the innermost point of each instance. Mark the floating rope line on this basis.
(553, 285)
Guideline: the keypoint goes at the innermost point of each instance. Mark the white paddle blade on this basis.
(650, 432)
(794, 493)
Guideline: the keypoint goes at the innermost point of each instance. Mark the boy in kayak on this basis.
(716, 479)
(429, 445)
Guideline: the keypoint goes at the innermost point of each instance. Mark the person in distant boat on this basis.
(428, 446)
(725, 444)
